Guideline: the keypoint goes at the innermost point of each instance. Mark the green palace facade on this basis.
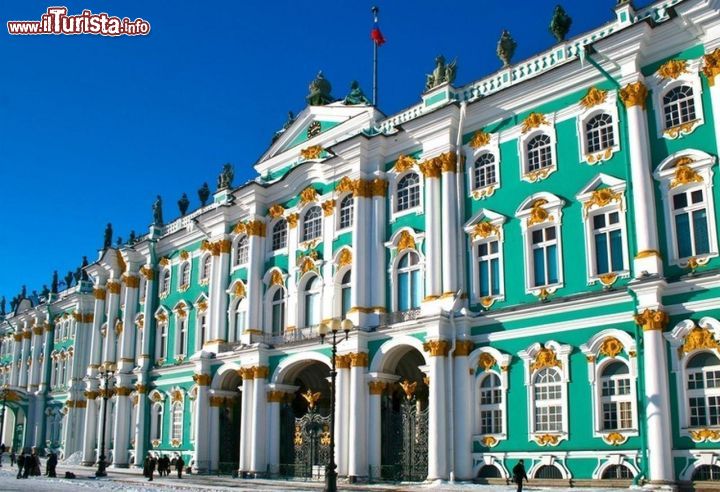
(527, 266)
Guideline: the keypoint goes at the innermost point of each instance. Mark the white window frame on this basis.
(237, 260)
(608, 107)
(161, 326)
(302, 285)
(303, 224)
(525, 138)
(590, 209)
(202, 278)
(201, 312)
(553, 208)
(473, 154)
(156, 424)
(562, 353)
(270, 290)
(394, 179)
(660, 86)
(392, 245)
(271, 237)
(235, 332)
(679, 364)
(174, 424)
(502, 363)
(183, 267)
(340, 200)
(181, 330)
(339, 286)
(496, 222)
(701, 164)
(165, 282)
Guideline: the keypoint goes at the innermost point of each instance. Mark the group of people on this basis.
(163, 464)
(28, 464)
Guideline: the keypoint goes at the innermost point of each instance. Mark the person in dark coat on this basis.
(50, 465)
(13, 458)
(179, 464)
(166, 465)
(36, 464)
(519, 474)
(21, 464)
(149, 467)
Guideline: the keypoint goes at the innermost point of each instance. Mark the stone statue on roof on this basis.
(157, 212)
(68, 279)
(203, 194)
(84, 275)
(506, 48)
(2, 305)
(225, 178)
(319, 91)
(443, 73)
(183, 204)
(288, 123)
(54, 283)
(560, 23)
(107, 241)
(356, 95)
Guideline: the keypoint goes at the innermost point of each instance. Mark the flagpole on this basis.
(375, 11)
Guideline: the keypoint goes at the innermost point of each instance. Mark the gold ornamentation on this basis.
(693, 263)
(239, 289)
(276, 278)
(180, 310)
(308, 195)
(261, 372)
(711, 66)
(376, 387)
(634, 94)
(403, 163)
(255, 228)
(175, 442)
(328, 207)
(607, 279)
(202, 306)
(176, 396)
(680, 130)
(123, 391)
(699, 338)
(161, 316)
(591, 359)
(344, 258)
(202, 379)
(672, 69)
(276, 211)
(91, 395)
(479, 139)
(538, 214)
(486, 361)
(409, 388)
(489, 441)
(38, 330)
(311, 398)
(547, 439)
(147, 272)
(405, 241)
(487, 302)
(113, 287)
(141, 388)
(292, 220)
(484, 192)
(99, 293)
(685, 175)
(358, 359)
(534, 120)
(463, 348)
(615, 438)
(342, 361)
(448, 162)
(430, 168)
(164, 261)
(378, 187)
(485, 229)
(602, 197)
(312, 152)
(647, 253)
(184, 255)
(599, 157)
(611, 347)
(131, 281)
(437, 348)
(362, 188)
(702, 435)
(345, 185)
(545, 357)
(652, 319)
(593, 97)
(306, 265)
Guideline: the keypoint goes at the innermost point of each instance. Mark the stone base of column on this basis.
(649, 262)
(661, 485)
(120, 465)
(87, 463)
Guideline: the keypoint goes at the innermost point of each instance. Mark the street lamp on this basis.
(107, 371)
(2, 416)
(333, 327)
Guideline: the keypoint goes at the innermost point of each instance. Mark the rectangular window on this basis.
(544, 256)
(490, 421)
(548, 419)
(489, 268)
(608, 242)
(691, 223)
(697, 412)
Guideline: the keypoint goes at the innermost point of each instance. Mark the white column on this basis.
(712, 70)
(291, 309)
(258, 458)
(360, 292)
(99, 293)
(214, 416)
(433, 233)
(246, 419)
(17, 354)
(374, 428)
(113, 303)
(121, 423)
(47, 360)
(342, 434)
(274, 399)
(145, 357)
(200, 416)
(91, 423)
(126, 362)
(657, 396)
(358, 456)
(647, 258)
(218, 291)
(36, 367)
(450, 273)
(437, 458)
(326, 263)
(256, 252)
(378, 261)
(27, 334)
(140, 434)
(462, 405)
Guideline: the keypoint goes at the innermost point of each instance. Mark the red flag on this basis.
(375, 34)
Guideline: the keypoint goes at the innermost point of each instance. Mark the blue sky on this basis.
(92, 128)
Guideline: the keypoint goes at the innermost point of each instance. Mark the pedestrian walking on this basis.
(20, 464)
(519, 474)
(50, 465)
(179, 464)
(149, 467)
(166, 465)
(13, 458)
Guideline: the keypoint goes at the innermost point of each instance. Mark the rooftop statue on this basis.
(77, 274)
(319, 91)
(54, 283)
(203, 194)
(68, 279)
(23, 293)
(2, 305)
(118, 242)
(132, 238)
(288, 123)
(560, 23)
(157, 212)
(45, 292)
(225, 178)
(183, 204)
(83, 265)
(443, 73)
(506, 48)
(107, 241)
(356, 95)
(14, 303)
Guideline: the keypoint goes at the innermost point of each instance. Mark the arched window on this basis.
(278, 312)
(202, 329)
(548, 472)
(703, 390)
(345, 294)
(489, 471)
(599, 133)
(706, 473)
(206, 268)
(161, 341)
(311, 296)
(279, 235)
(616, 472)
(184, 279)
(616, 397)
(488, 257)
(241, 313)
(484, 172)
(539, 152)
(346, 212)
(176, 427)
(548, 401)
(242, 249)
(312, 224)
(165, 282)
(491, 414)
(408, 192)
(679, 106)
(156, 423)
(182, 334)
(690, 218)
(409, 283)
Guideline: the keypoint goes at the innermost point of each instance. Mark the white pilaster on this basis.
(357, 455)
(255, 274)
(360, 294)
(437, 457)
(378, 261)
(91, 422)
(121, 424)
(218, 292)
(126, 363)
(258, 458)
(27, 335)
(113, 304)
(449, 224)
(246, 420)
(462, 405)
(433, 234)
(17, 354)
(342, 434)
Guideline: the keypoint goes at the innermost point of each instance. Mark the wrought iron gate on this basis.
(405, 440)
(310, 451)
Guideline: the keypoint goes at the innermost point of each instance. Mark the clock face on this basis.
(313, 129)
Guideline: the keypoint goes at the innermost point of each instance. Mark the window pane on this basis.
(702, 243)
(495, 268)
(403, 291)
(539, 266)
(416, 289)
(616, 250)
(601, 253)
(684, 241)
(552, 264)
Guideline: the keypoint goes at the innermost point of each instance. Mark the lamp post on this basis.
(334, 326)
(107, 371)
(2, 417)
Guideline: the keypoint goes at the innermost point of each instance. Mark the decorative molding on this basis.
(538, 214)
(409, 388)
(437, 348)
(533, 120)
(342, 361)
(147, 272)
(463, 348)
(485, 229)
(378, 187)
(486, 361)
(593, 97)
(256, 228)
(328, 206)
(113, 287)
(405, 241)
(312, 152)
(711, 66)
(699, 338)
(634, 94)
(376, 387)
(344, 258)
(99, 293)
(684, 174)
(652, 319)
(479, 139)
(358, 359)
(403, 163)
(202, 379)
(672, 69)
(308, 195)
(546, 357)
(292, 220)
(611, 347)
(602, 197)
(547, 440)
(615, 438)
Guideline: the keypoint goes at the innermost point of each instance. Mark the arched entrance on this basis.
(305, 420)
(229, 415)
(404, 417)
